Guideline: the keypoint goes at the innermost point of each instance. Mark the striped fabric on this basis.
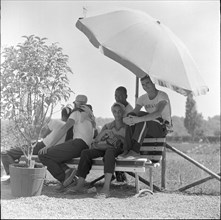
(153, 148)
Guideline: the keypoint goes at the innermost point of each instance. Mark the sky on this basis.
(196, 23)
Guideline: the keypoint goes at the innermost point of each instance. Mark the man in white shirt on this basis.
(152, 123)
(54, 156)
(47, 133)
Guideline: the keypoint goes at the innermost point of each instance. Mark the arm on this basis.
(58, 135)
(119, 137)
(137, 109)
(103, 131)
(159, 109)
(45, 131)
(100, 136)
(131, 120)
(62, 131)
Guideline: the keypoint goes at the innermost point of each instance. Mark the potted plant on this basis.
(34, 81)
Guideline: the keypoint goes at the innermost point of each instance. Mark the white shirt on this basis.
(54, 125)
(82, 129)
(128, 109)
(150, 105)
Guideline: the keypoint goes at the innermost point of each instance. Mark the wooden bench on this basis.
(152, 152)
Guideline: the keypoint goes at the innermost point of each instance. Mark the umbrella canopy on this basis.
(144, 45)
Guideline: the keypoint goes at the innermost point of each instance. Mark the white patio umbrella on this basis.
(144, 45)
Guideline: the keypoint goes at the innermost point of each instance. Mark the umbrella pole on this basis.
(136, 89)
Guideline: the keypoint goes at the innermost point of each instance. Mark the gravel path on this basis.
(121, 205)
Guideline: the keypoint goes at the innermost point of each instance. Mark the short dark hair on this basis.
(122, 89)
(66, 111)
(146, 77)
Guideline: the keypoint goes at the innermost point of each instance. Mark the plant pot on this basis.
(26, 181)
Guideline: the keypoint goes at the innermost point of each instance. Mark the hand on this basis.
(86, 109)
(131, 120)
(43, 150)
(94, 144)
(109, 133)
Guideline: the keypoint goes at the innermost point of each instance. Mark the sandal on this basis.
(75, 191)
(69, 177)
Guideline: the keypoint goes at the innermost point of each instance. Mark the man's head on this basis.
(121, 95)
(147, 84)
(80, 100)
(118, 110)
(65, 113)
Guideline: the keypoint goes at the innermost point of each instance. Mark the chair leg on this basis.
(156, 188)
(137, 182)
(138, 191)
(151, 178)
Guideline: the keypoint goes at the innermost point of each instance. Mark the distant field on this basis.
(179, 171)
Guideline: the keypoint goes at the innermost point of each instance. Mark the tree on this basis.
(213, 126)
(178, 126)
(34, 79)
(192, 120)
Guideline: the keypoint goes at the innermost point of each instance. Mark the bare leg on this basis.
(80, 183)
(107, 181)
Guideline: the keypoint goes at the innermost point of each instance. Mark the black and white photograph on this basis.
(110, 109)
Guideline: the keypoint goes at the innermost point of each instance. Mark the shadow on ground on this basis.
(119, 190)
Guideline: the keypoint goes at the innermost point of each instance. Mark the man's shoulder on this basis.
(109, 125)
(144, 96)
(129, 107)
(163, 94)
(56, 121)
(75, 114)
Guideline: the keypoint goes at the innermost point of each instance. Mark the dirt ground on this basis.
(121, 205)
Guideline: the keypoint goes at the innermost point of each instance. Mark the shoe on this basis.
(92, 190)
(102, 195)
(113, 177)
(69, 177)
(120, 176)
(121, 156)
(61, 188)
(132, 155)
(72, 191)
(5, 180)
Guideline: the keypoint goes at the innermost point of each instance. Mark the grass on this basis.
(180, 172)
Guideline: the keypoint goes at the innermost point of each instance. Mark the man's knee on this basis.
(109, 154)
(4, 153)
(41, 157)
(110, 150)
(85, 153)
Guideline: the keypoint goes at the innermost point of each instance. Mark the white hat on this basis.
(81, 98)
